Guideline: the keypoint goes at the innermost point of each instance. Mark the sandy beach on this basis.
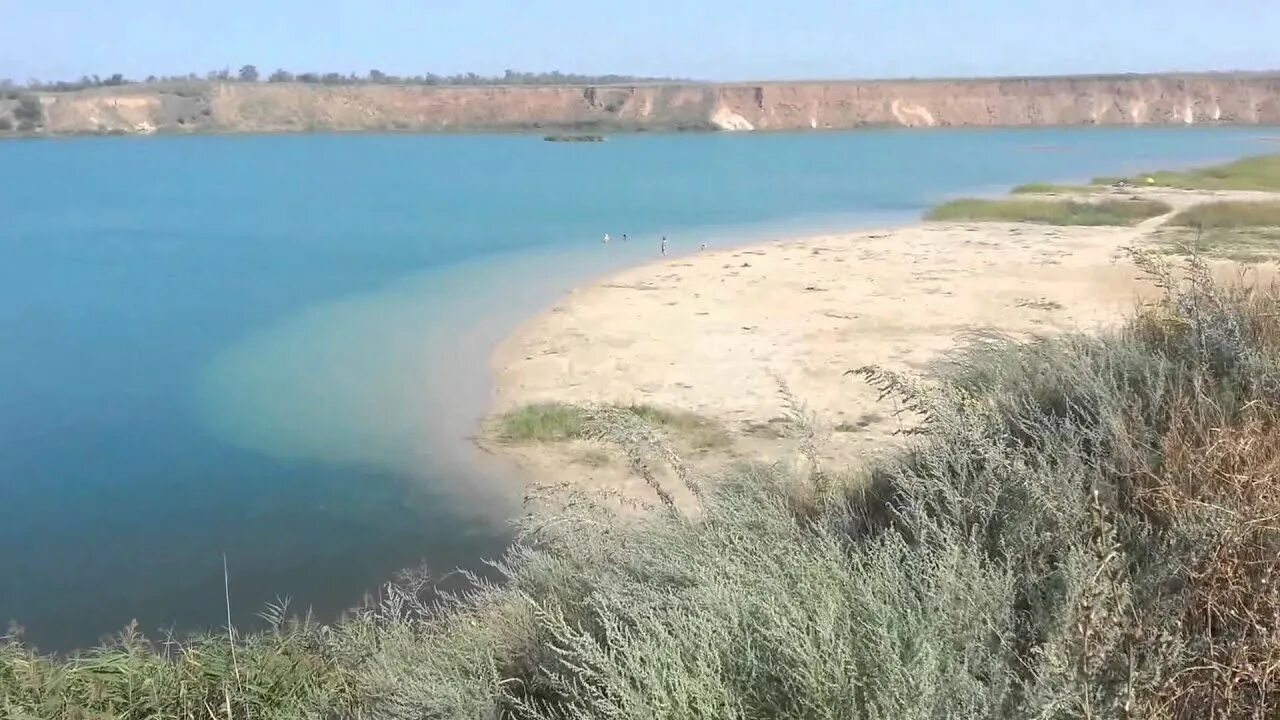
(713, 332)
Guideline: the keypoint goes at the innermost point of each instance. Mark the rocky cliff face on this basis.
(263, 107)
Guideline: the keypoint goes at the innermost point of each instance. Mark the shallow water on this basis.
(275, 348)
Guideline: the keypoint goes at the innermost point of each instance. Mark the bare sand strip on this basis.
(713, 332)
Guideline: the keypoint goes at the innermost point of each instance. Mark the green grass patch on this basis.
(558, 422)
(1049, 212)
(1242, 244)
(292, 671)
(1052, 189)
(1229, 214)
(1234, 230)
(1261, 172)
(541, 422)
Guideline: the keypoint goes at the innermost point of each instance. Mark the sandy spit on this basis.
(713, 331)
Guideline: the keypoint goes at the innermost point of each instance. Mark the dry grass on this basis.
(1221, 465)
(1233, 616)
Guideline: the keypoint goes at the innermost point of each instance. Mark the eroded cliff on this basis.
(288, 107)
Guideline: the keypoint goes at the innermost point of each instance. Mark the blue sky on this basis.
(706, 39)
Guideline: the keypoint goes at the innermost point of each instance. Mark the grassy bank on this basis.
(1229, 214)
(1245, 244)
(1083, 528)
(1252, 173)
(1049, 212)
(1245, 231)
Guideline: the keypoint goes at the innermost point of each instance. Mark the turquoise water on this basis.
(275, 348)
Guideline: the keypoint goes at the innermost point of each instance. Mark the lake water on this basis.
(276, 348)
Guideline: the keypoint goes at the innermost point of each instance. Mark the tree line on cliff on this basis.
(251, 74)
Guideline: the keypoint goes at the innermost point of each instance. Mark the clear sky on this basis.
(703, 39)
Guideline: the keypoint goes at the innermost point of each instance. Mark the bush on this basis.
(29, 111)
(1049, 212)
(1076, 531)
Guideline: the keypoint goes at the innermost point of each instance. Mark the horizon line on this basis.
(614, 80)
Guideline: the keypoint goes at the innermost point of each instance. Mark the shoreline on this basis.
(713, 332)
(538, 132)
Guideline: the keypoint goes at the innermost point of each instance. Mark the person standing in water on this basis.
(606, 239)
(624, 237)
(664, 245)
